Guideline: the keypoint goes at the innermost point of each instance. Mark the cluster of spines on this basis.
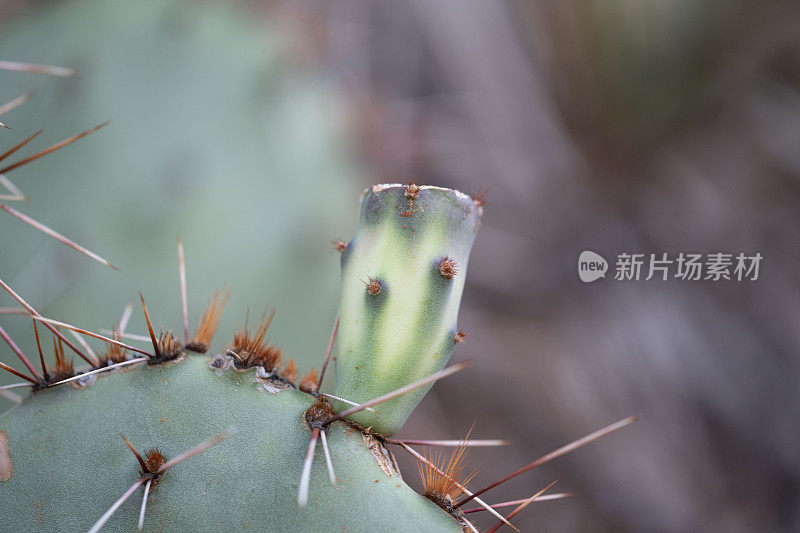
(412, 193)
(209, 322)
(374, 286)
(153, 466)
(250, 349)
(448, 267)
(64, 367)
(443, 479)
(114, 352)
(166, 346)
(153, 460)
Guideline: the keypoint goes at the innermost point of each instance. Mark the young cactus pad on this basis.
(402, 278)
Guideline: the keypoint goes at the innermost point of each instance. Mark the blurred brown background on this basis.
(618, 126)
(652, 126)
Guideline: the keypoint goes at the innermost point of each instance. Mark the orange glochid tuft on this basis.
(153, 460)
(309, 383)
(114, 353)
(251, 349)
(64, 368)
(459, 337)
(442, 476)
(339, 245)
(209, 322)
(169, 347)
(289, 373)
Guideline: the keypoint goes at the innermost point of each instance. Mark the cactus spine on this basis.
(402, 278)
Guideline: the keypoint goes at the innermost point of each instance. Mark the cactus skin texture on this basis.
(70, 463)
(399, 305)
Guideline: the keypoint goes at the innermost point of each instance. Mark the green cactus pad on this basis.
(68, 463)
(399, 304)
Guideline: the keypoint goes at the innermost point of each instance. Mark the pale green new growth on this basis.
(402, 278)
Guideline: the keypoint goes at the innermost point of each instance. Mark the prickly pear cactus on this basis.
(80, 440)
(170, 438)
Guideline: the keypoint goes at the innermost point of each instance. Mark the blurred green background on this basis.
(217, 133)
